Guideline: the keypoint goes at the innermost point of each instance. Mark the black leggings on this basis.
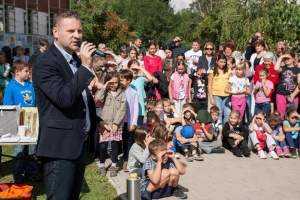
(114, 152)
(243, 143)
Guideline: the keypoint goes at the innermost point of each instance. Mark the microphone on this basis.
(96, 52)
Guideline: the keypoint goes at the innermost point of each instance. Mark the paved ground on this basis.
(225, 176)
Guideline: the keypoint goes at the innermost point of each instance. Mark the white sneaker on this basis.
(273, 155)
(262, 155)
(177, 155)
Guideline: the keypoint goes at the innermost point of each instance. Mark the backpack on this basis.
(187, 131)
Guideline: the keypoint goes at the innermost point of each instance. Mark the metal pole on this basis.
(4, 18)
(26, 18)
(49, 20)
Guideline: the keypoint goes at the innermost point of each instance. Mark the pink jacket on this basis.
(176, 85)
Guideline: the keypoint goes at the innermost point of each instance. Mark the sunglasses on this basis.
(258, 118)
(209, 49)
(294, 117)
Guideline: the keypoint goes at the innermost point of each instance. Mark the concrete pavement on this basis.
(224, 176)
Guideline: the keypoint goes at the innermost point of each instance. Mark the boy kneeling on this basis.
(161, 173)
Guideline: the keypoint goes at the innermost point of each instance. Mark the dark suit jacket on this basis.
(204, 63)
(34, 56)
(62, 117)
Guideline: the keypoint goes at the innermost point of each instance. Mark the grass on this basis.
(94, 186)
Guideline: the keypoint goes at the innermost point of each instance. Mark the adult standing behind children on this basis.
(44, 44)
(176, 47)
(192, 56)
(67, 112)
(20, 91)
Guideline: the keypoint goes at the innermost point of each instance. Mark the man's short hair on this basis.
(19, 65)
(281, 43)
(157, 145)
(196, 40)
(137, 38)
(44, 43)
(101, 45)
(64, 15)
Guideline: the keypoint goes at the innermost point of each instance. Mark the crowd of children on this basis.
(188, 110)
(229, 106)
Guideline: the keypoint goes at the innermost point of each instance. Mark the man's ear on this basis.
(55, 32)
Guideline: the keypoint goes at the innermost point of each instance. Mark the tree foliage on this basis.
(240, 19)
(115, 22)
(148, 19)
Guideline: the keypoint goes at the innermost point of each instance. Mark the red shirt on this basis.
(273, 77)
(153, 64)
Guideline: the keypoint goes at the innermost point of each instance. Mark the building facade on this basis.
(24, 22)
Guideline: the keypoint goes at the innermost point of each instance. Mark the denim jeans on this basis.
(223, 103)
(293, 143)
(20, 166)
(282, 144)
(266, 107)
(63, 177)
(173, 148)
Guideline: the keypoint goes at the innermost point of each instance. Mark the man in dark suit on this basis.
(67, 110)
(44, 44)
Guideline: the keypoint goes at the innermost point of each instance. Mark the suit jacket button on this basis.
(84, 110)
(84, 127)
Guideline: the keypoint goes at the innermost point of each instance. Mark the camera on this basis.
(254, 39)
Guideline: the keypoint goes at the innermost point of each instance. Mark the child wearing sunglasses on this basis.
(291, 128)
(260, 133)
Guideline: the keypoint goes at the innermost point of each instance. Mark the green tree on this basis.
(148, 19)
(240, 19)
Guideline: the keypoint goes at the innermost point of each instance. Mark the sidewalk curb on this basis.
(119, 192)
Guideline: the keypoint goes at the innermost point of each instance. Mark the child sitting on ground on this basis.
(151, 121)
(172, 116)
(277, 133)
(188, 114)
(215, 112)
(187, 141)
(291, 128)
(260, 130)
(139, 150)
(158, 108)
(161, 172)
(206, 133)
(236, 135)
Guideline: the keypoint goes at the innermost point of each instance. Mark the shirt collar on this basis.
(66, 55)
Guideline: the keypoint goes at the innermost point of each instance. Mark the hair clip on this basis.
(145, 132)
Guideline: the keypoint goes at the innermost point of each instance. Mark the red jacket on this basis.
(273, 77)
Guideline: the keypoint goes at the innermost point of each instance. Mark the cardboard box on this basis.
(30, 118)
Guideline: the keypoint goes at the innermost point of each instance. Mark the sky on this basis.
(180, 4)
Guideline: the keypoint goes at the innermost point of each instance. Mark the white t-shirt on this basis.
(192, 55)
(238, 84)
(181, 89)
(163, 116)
